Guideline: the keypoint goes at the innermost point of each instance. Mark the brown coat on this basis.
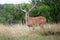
(32, 21)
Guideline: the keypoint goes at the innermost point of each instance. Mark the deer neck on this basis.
(27, 14)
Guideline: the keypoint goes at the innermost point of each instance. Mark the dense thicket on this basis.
(48, 8)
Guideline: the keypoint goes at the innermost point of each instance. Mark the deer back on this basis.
(36, 20)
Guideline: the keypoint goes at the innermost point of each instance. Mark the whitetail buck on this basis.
(33, 21)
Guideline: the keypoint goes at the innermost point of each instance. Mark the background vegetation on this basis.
(48, 8)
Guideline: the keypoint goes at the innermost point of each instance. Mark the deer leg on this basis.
(33, 28)
(29, 26)
(42, 27)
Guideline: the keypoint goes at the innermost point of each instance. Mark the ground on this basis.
(22, 32)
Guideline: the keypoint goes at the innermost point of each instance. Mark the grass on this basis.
(40, 38)
(21, 32)
(31, 38)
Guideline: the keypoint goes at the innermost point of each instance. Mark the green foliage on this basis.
(2, 20)
(9, 14)
(25, 6)
(47, 8)
(55, 8)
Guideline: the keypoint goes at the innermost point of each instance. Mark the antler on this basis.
(22, 9)
(29, 9)
(33, 5)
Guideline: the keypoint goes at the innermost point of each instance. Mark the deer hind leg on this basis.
(42, 27)
(33, 28)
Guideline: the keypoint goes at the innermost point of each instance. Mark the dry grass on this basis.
(13, 30)
(18, 30)
(52, 27)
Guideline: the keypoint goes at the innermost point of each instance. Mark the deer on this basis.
(36, 21)
(33, 21)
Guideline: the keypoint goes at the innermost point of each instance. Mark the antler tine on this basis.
(22, 9)
(33, 5)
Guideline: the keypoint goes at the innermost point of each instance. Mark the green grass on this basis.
(51, 37)
(41, 38)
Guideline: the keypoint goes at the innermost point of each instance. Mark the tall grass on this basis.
(21, 32)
